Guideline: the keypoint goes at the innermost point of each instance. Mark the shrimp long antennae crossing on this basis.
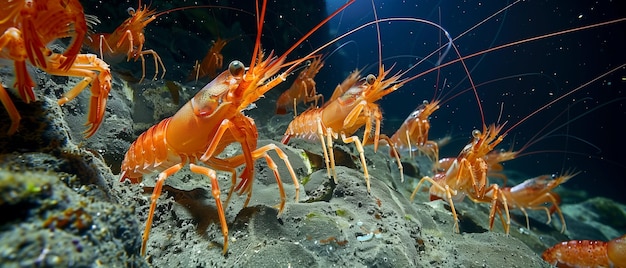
(565, 95)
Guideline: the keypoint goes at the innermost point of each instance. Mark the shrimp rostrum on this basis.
(207, 124)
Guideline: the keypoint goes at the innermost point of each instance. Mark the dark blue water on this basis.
(583, 129)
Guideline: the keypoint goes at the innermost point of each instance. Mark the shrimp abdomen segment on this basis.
(579, 253)
(149, 153)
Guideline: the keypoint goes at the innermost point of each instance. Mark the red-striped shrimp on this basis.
(128, 39)
(344, 116)
(467, 174)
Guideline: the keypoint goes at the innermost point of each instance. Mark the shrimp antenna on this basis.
(535, 140)
(486, 19)
(380, 47)
(505, 10)
(340, 47)
(501, 110)
(293, 47)
(202, 6)
(448, 46)
(445, 99)
(438, 61)
(302, 66)
(565, 95)
(259, 29)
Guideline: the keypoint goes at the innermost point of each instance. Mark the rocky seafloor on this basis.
(63, 205)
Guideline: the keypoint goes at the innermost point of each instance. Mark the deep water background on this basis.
(582, 131)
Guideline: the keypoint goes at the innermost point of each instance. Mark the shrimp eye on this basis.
(236, 68)
(131, 11)
(370, 79)
(425, 102)
(476, 133)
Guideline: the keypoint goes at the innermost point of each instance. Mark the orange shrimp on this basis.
(414, 132)
(494, 161)
(534, 192)
(27, 27)
(467, 174)
(128, 39)
(302, 90)
(344, 116)
(45, 21)
(208, 123)
(211, 63)
(588, 253)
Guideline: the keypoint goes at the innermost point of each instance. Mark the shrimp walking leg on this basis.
(95, 72)
(225, 165)
(394, 153)
(157, 62)
(12, 38)
(246, 186)
(327, 148)
(449, 193)
(359, 148)
(14, 115)
(156, 193)
(262, 152)
(215, 191)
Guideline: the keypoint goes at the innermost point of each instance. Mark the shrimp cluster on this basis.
(199, 133)
(207, 124)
